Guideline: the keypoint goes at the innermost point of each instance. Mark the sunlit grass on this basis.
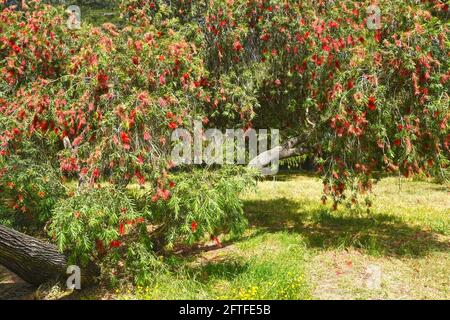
(297, 248)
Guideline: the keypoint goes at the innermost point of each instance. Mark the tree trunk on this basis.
(31, 259)
(36, 261)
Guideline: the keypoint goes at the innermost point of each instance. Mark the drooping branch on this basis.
(288, 149)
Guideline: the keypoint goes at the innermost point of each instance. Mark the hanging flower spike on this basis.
(173, 125)
(194, 226)
(115, 244)
(372, 106)
(237, 46)
(139, 220)
(125, 140)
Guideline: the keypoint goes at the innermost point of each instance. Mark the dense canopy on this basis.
(87, 115)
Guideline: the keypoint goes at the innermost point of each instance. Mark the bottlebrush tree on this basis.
(86, 115)
(362, 100)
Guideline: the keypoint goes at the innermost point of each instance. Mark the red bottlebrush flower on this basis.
(171, 184)
(397, 142)
(326, 47)
(169, 115)
(102, 79)
(265, 37)
(76, 141)
(237, 46)
(165, 194)
(317, 60)
(139, 220)
(173, 125)
(194, 226)
(140, 177)
(378, 36)
(408, 145)
(147, 136)
(96, 173)
(10, 77)
(162, 80)
(115, 244)
(138, 45)
(121, 229)
(277, 82)
(350, 84)
(371, 105)
(125, 139)
(84, 171)
(44, 125)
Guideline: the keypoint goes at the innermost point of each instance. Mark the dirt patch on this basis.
(14, 288)
(343, 275)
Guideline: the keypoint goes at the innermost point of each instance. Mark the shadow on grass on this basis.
(220, 269)
(377, 234)
(288, 175)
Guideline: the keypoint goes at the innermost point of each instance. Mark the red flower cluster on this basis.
(115, 244)
(102, 79)
(371, 105)
(194, 226)
(125, 140)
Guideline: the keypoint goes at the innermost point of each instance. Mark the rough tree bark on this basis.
(31, 259)
(36, 261)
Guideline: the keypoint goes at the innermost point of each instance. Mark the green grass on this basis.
(297, 248)
(261, 267)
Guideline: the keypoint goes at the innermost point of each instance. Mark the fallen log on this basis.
(34, 260)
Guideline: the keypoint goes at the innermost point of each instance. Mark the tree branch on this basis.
(288, 149)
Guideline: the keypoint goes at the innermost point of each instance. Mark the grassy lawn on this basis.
(296, 248)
